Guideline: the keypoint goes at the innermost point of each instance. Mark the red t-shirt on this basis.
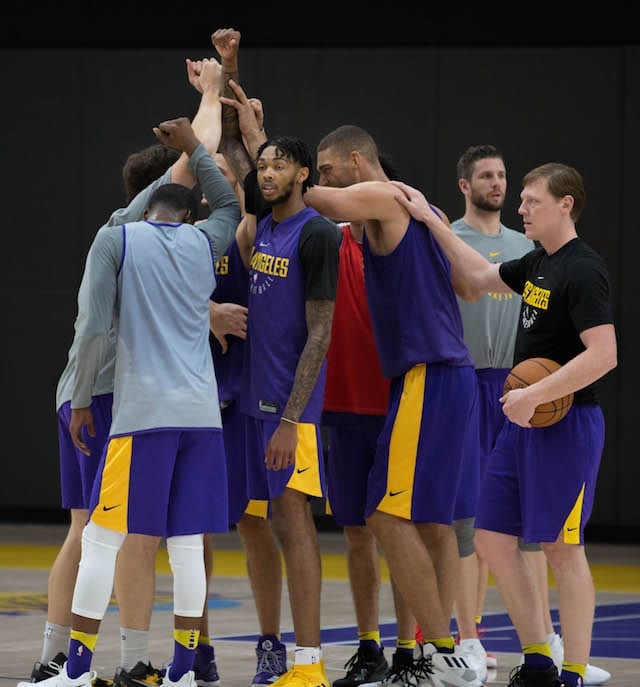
(355, 383)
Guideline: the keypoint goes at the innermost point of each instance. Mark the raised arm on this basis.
(206, 76)
(223, 204)
(242, 133)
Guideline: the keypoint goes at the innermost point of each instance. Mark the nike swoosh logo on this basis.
(301, 470)
(494, 254)
(395, 493)
(110, 507)
(571, 529)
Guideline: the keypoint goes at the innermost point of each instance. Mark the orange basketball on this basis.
(529, 371)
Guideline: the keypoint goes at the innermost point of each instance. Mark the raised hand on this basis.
(177, 133)
(227, 44)
(250, 117)
(194, 67)
(210, 78)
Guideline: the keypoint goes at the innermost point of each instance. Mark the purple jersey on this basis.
(415, 314)
(277, 296)
(231, 287)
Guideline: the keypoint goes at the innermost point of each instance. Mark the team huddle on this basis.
(234, 309)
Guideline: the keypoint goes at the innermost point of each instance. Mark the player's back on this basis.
(164, 372)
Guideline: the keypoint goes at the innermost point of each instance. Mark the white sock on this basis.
(134, 647)
(56, 640)
(307, 655)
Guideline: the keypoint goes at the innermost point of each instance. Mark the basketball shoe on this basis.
(365, 667)
(405, 671)
(476, 656)
(303, 675)
(141, 675)
(448, 669)
(271, 656)
(205, 668)
(43, 671)
(187, 680)
(61, 679)
(524, 676)
(593, 675)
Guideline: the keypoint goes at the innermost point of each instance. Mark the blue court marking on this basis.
(164, 602)
(616, 633)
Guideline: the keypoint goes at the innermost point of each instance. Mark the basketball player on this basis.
(171, 448)
(411, 491)
(355, 406)
(142, 173)
(293, 264)
(566, 315)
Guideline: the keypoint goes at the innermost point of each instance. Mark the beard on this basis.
(283, 197)
(486, 204)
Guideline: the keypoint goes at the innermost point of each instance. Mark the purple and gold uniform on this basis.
(232, 287)
(540, 482)
(432, 418)
(292, 261)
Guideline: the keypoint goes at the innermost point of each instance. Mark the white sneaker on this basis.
(63, 680)
(476, 656)
(595, 675)
(187, 680)
(557, 650)
(447, 670)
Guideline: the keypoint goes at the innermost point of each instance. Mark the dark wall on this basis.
(70, 118)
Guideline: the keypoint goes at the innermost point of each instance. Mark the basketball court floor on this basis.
(27, 551)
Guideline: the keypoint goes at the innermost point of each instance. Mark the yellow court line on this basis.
(227, 563)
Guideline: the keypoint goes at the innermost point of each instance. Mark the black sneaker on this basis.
(405, 671)
(525, 676)
(42, 671)
(364, 668)
(141, 675)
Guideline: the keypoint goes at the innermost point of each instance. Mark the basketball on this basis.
(529, 371)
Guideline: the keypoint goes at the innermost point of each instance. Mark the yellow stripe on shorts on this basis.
(113, 506)
(571, 527)
(306, 471)
(403, 447)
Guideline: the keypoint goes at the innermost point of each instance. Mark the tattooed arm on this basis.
(281, 451)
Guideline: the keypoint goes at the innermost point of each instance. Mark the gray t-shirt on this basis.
(490, 323)
(220, 226)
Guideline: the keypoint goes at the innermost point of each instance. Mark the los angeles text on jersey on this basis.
(272, 265)
(222, 266)
(535, 296)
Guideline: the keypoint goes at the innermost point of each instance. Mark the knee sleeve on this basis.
(186, 558)
(465, 531)
(94, 583)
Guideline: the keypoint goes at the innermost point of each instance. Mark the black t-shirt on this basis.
(562, 295)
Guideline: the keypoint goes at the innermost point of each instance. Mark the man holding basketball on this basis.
(540, 482)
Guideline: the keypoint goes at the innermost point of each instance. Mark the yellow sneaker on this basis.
(304, 676)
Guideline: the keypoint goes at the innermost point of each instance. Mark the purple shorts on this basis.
(77, 471)
(233, 430)
(540, 482)
(306, 475)
(429, 430)
(352, 449)
(163, 483)
(490, 421)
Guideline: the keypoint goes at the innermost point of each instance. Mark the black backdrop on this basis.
(75, 105)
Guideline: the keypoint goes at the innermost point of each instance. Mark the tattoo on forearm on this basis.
(319, 314)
